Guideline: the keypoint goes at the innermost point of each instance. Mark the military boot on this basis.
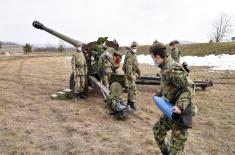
(77, 95)
(82, 95)
(132, 105)
(125, 89)
(165, 152)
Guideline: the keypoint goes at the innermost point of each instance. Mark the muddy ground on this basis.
(32, 123)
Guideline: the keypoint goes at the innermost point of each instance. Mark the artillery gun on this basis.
(111, 95)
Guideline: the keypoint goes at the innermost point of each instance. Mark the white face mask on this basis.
(171, 47)
(155, 63)
(79, 48)
(134, 50)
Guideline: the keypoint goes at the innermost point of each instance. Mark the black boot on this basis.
(132, 105)
(125, 89)
(165, 152)
(77, 95)
(82, 95)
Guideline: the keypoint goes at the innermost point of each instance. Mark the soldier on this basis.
(79, 68)
(125, 75)
(97, 50)
(106, 66)
(175, 53)
(131, 68)
(175, 87)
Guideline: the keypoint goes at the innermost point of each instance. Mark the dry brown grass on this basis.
(32, 123)
(199, 49)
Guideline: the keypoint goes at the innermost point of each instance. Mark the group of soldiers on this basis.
(176, 87)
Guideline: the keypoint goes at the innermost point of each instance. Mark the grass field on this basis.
(32, 123)
(199, 49)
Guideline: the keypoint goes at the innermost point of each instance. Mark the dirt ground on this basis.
(32, 123)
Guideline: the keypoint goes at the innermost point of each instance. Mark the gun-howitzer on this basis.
(40, 26)
(156, 80)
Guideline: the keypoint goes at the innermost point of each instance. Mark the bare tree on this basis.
(221, 28)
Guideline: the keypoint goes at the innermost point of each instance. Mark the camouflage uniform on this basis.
(175, 54)
(176, 88)
(97, 51)
(125, 75)
(130, 68)
(106, 65)
(79, 68)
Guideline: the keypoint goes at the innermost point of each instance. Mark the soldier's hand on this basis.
(139, 76)
(176, 109)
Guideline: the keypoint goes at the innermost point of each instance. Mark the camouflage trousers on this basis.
(125, 81)
(176, 141)
(105, 79)
(131, 90)
(79, 83)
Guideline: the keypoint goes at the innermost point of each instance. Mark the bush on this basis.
(61, 48)
(27, 48)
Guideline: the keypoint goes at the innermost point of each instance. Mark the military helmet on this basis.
(134, 44)
(174, 42)
(155, 41)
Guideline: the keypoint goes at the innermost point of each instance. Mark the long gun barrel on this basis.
(40, 26)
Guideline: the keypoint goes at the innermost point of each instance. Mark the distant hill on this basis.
(186, 42)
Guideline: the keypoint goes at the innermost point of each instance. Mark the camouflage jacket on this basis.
(130, 66)
(106, 62)
(176, 86)
(78, 63)
(175, 54)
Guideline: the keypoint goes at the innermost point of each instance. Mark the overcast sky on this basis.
(125, 20)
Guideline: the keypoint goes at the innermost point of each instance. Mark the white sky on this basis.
(125, 20)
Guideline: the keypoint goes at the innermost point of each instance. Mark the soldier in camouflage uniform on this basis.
(131, 68)
(97, 50)
(125, 75)
(106, 66)
(175, 52)
(176, 88)
(79, 68)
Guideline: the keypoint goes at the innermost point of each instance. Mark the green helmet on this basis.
(155, 41)
(134, 44)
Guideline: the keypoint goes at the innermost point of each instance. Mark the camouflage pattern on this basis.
(177, 140)
(106, 65)
(175, 87)
(96, 52)
(175, 54)
(124, 70)
(79, 67)
(131, 68)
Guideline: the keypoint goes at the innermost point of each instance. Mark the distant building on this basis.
(233, 39)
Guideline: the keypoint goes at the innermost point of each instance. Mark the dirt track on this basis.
(32, 123)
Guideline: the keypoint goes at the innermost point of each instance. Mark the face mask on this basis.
(79, 48)
(155, 63)
(134, 50)
(171, 48)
